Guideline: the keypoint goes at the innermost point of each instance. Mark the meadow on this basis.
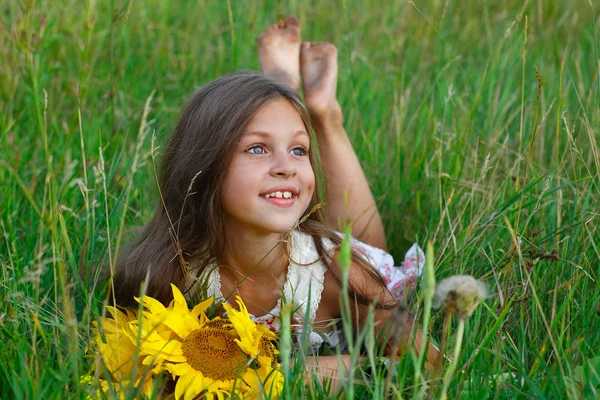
(477, 124)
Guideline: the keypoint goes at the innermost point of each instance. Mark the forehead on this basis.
(277, 115)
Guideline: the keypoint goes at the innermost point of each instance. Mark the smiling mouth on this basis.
(284, 199)
(279, 195)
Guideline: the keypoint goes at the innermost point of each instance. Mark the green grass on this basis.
(462, 144)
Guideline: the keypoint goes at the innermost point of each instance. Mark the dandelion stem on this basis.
(450, 371)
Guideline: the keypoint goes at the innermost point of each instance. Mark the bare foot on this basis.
(278, 51)
(318, 65)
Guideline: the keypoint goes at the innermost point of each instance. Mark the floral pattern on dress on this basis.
(398, 279)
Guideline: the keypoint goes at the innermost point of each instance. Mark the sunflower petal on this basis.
(246, 328)
(191, 385)
(180, 369)
(153, 305)
(201, 307)
(178, 303)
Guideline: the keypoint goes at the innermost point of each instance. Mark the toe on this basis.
(268, 34)
(292, 21)
(264, 35)
(305, 46)
(327, 48)
(268, 31)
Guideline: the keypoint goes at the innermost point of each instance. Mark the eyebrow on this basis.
(266, 134)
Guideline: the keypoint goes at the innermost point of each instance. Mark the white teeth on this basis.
(279, 195)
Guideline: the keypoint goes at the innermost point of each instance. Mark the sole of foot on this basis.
(278, 51)
(319, 70)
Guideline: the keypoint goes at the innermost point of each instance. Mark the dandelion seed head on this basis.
(460, 294)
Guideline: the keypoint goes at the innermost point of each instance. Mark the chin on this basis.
(280, 226)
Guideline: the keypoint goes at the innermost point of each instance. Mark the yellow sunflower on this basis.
(115, 340)
(214, 358)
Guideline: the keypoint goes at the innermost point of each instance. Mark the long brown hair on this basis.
(188, 222)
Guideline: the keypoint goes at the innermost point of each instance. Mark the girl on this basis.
(238, 194)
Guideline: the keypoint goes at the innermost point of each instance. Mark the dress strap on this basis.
(305, 277)
(209, 281)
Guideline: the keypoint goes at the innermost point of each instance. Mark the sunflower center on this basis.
(213, 351)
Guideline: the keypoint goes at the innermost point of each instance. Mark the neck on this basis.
(254, 254)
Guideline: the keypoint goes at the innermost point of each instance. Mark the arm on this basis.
(345, 177)
(395, 327)
(328, 370)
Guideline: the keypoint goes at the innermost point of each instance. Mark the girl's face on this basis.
(270, 181)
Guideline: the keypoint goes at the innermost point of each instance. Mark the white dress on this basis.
(304, 284)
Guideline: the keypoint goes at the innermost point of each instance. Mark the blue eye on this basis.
(256, 149)
(299, 151)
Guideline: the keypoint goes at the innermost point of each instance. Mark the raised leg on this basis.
(348, 194)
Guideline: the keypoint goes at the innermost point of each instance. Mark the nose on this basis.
(283, 166)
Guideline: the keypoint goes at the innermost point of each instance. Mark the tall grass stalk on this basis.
(428, 293)
(345, 264)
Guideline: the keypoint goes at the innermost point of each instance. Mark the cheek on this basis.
(234, 181)
(309, 179)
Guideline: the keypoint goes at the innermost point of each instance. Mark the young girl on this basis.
(238, 195)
